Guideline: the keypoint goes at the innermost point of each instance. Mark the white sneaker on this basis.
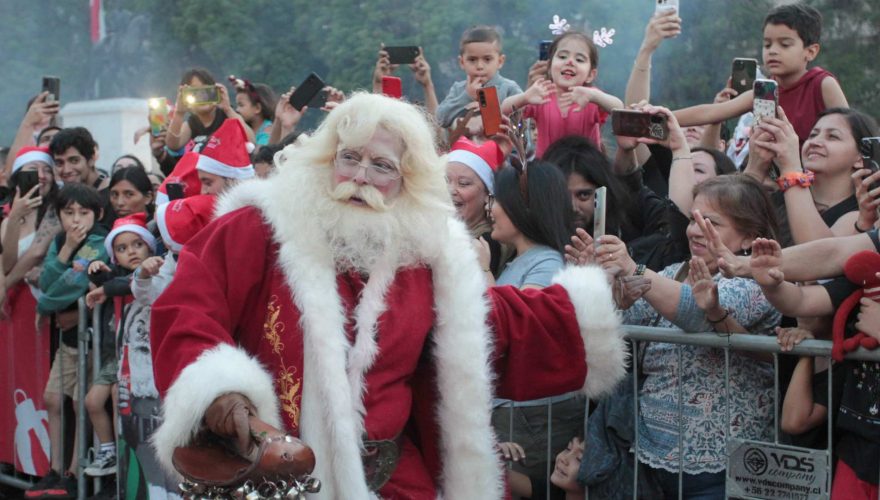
(103, 465)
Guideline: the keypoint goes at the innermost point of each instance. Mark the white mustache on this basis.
(345, 191)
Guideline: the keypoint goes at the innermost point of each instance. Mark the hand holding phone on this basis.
(631, 123)
(870, 151)
(307, 90)
(490, 110)
(26, 180)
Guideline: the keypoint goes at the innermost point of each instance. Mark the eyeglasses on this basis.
(380, 172)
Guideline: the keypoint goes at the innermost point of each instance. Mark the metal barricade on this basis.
(726, 342)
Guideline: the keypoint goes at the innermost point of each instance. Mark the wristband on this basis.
(726, 314)
(802, 179)
(858, 229)
(677, 158)
(640, 270)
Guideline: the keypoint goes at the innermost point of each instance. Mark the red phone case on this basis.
(490, 110)
(392, 87)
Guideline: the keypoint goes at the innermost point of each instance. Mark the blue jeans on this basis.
(705, 486)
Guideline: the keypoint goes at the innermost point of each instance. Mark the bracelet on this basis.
(858, 229)
(487, 270)
(790, 179)
(726, 314)
(643, 70)
(640, 270)
(677, 158)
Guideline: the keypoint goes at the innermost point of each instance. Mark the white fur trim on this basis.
(169, 242)
(331, 417)
(463, 347)
(30, 156)
(599, 323)
(477, 164)
(141, 231)
(210, 165)
(217, 371)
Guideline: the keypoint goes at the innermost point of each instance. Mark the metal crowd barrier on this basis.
(730, 342)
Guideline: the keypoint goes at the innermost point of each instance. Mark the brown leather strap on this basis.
(380, 458)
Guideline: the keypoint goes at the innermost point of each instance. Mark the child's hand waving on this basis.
(98, 266)
(540, 91)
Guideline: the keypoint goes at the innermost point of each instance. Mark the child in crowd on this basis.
(225, 159)
(564, 478)
(481, 58)
(264, 160)
(255, 102)
(128, 244)
(791, 42)
(63, 281)
(566, 103)
(139, 405)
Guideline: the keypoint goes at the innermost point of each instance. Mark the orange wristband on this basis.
(802, 179)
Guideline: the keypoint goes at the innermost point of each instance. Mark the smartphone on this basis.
(629, 123)
(766, 99)
(306, 91)
(158, 114)
(870, 150)
(743, 74)
(490, 110)
(200, 96)
(402, 54)
(174, 190)
(665, 5)
(26, 180)
(392, 87)
(544, 50)
(52, 84)
(599, 214)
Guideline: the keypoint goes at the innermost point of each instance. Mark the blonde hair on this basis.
(356, 120)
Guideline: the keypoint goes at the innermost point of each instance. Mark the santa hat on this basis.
(134, 223)
(484, 159)
(227, 152)
(28, 154)
(181, 219)
(184, 173)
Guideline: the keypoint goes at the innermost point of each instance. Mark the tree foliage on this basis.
(151, 42)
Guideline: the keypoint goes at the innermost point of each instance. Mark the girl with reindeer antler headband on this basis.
(565, 102)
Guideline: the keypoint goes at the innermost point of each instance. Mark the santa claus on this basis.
(342, 300)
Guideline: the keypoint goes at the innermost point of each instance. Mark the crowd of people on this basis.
(407, 293)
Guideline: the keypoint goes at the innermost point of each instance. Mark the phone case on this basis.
(629, 123)
(307, 90)
(26, 181)
(199, 96)
(599, 214)
(743, 74)
(175, 190)
(766, 97)
(664, 5)
(490, 110)
(392, 87)
(158, 114)
(403, 54)
(52, 84)
(870, 150)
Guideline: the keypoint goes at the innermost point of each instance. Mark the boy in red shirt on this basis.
(791, 43)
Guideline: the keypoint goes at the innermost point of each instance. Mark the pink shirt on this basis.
(552, 126)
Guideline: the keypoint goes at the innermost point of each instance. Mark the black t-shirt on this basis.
(829, 216)
(200, 133)
(859, 415)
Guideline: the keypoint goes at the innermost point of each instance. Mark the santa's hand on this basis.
(228, 417)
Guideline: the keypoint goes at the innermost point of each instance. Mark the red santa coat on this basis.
(343, 358)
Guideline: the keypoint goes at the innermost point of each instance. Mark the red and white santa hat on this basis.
(484, 159)
(28, 154)
(227, 152)
(184, 173)
(134, 223)
(181, 219)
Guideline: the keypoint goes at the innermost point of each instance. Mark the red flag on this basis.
(97, 21)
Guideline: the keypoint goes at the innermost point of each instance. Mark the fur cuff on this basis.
(220, 370)
(599, 323)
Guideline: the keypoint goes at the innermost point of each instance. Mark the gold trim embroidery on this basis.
(289, 384)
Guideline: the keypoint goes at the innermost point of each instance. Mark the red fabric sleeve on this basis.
(217, 273)
(539, 351)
